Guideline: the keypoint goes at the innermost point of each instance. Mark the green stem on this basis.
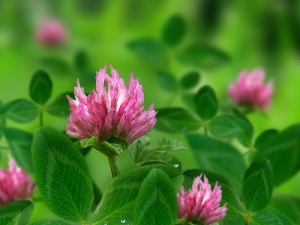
(41, 118)
(113, 166)
(4, 147)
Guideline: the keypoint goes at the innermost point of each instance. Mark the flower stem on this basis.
(41, 119)
(113, 166)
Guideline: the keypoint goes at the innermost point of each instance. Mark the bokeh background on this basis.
(254, 34)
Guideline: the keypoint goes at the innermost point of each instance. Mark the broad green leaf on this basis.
(229, 126)
(264, 137)
(19, 143)
(81, 61)
(148, 49)
(269, 218)
(167, 81)
(59, 106)
(2, 125)
(189, 100)
(218, 156)
(143, 154)
(283, 151)
(190, 80)
(40, 87)
(156, 202)
(287, 205)
(174, 30)
(49, 222)
(176, 120)
(62, 175)
(97, 196)
(258, 185)
(203, 56)
(206, 103)
(16, 213)
(229, 194)
(118, 201)
(19, 110)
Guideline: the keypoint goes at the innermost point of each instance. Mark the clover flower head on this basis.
(115, 111)
(15, 184)
(51, 32)
(201, 203)
(250, 90)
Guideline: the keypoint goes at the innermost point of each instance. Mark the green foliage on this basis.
(40, 87)
(62, 175)
(81, 61)
(142, 153)
(156, 202)
(206, 103)
(288, 206)
(167, 81)
(229, 194)
(176, 120)
(218, 156)
(19, 110)
(203, 56)
(16, 213)
(190, 80)
(269, 218)
(258, 185)
(174, 31)
(264, 137)
(59, 106)
(20, 145)
(119, 199)
(148, 49)
(283, 151)
(229, 126)
(49, 222)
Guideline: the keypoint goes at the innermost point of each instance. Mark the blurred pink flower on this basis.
(51, 32)
(250, 90)
(15, 184)
(200, 203)
(115, 111)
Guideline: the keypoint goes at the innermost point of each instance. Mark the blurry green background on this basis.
(258, 33)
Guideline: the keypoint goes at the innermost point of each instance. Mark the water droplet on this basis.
(175, 165)
(123, 221)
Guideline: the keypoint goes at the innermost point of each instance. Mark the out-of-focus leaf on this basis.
(190, 80)
(189, 100)
(97, 196)
(176, 120)
(287, 205)
(40, 87)
(269, 218)
(258, 185)
(218, 156)
(81, 61)
(206, 103)
(283, 151)
(148, 49)
(62, 175)
(203, 56)
(174, 30)
(118, 201)
(229, 126)
(167, 81)
(229, 194)
(56, 65)
(16, 213)
(59, 106)
(19, 143)
(265, 136)
(19, 110)
(156, 202)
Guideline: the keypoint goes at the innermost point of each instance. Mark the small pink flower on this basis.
(250, 90)
(115, 111)
(200, 203)
(51, 32)
(15, 184)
